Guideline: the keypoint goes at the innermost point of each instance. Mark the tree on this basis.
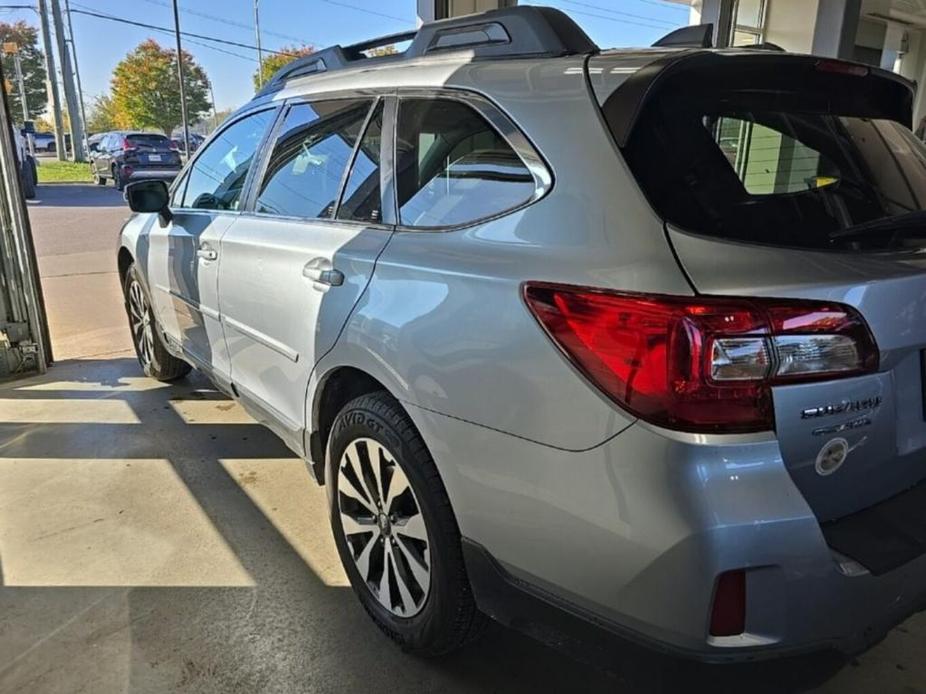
(145, 92)
(275, 61)
(32, 59)
(104, 116)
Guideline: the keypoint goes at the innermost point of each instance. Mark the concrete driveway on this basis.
(155, 539)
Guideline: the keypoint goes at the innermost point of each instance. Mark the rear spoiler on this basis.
(860, 89)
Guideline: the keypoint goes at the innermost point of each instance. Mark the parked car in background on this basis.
(45, 142)
(125, 156)
(195, 141)
(561, 353)
(28, 175)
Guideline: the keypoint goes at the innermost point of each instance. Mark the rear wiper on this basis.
(907, 225)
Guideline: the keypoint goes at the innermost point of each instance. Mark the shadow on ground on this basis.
(108, 602)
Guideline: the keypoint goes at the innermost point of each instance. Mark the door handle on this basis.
(207, 253)
(320, 270)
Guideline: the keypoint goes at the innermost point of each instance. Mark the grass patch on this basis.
(63, 172)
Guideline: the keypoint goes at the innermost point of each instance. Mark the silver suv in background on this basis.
(626, 342)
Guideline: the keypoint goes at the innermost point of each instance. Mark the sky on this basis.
(101, 43)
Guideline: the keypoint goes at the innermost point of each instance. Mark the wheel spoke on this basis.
(347, 488)
(356, 464)
(377, 458)
(397, 486)
(408, 602)
(412, 527)
(385, 591)
(419, 571)
(353, 526)
(363, 559)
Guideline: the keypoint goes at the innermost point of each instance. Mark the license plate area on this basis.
(154, 157)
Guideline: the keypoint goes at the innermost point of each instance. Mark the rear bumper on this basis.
(145, 174)
(628, 539)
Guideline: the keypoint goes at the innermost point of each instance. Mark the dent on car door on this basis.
(292, 272)
(184, 255)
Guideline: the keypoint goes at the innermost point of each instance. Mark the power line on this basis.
(618, 12)
(229, 22)
(620, 20)
(123, 20)
(404, 20)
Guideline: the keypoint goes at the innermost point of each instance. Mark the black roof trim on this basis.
(510, 32)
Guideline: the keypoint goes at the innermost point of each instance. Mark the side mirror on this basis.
(149, 196)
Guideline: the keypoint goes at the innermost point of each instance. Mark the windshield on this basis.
(779, 170)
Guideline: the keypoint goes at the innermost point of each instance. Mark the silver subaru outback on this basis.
(621, 343)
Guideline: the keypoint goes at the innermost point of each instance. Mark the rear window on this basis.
(785, 168)
(148, 140)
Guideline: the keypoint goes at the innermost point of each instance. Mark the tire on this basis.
(28, 180)
(100, 180)
(155, 360)
(428, 620)
(52, 146)
(117, 179)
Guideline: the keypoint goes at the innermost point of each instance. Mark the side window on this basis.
(310, 156)
(362, 200)
(453, 167)
(216, 180)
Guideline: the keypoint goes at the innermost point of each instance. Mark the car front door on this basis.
(183, 259)
(295, 265)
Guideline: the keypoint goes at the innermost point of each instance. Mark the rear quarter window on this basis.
(453, 168)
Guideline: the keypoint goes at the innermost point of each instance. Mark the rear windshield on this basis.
(149, 140)
(780, 169)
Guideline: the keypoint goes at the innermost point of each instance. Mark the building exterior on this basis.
(884, 33)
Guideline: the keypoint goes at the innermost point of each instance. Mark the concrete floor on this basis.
(154, 539)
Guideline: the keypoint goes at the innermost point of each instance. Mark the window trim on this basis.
(183, 177)
(504, 127)
(375, 96)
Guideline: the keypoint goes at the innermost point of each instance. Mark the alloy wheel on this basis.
(384, 527)
(140, 319)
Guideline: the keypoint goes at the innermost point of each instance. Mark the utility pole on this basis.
(80, 88)
(215, 113)
(67, 77)
(186, 123)
(54, 100)
(12, 48)
(260, 53)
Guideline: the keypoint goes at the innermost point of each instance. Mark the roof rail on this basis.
(511, 32)
(694, 36)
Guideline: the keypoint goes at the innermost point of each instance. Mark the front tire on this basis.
(155, 360)
(395, 530)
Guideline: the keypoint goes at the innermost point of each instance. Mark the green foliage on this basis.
(274, 61)
(103, 116)
(145, 91)
(33, 67)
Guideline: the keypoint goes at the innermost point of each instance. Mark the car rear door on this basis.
(293, 267)
(183, 256)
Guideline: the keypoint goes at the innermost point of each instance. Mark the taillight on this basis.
(701, 364)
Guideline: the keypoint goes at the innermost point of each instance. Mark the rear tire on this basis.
(100, 180)
(117, 179)
(28, 179)
(155, 360)
(395, 530)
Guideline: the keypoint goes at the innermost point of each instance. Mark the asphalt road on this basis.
(155, 539)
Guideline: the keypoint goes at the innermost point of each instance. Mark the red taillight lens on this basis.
(728, 613)
(700, 364)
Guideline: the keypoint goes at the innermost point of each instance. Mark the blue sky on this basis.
(102, 43)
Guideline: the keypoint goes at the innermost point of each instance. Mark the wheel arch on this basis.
(335, 389)
(124, 261)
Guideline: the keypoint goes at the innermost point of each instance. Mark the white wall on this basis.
(791, 24)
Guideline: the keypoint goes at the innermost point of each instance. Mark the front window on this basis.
(216, 179)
